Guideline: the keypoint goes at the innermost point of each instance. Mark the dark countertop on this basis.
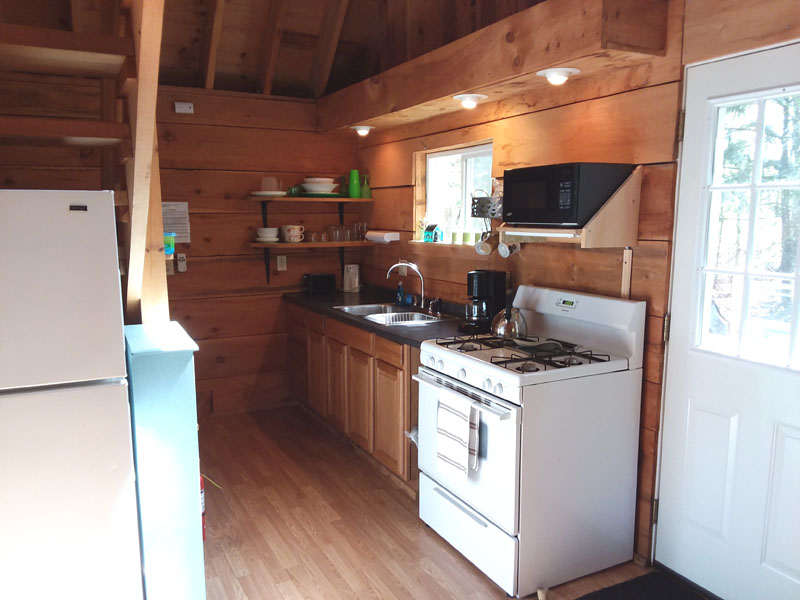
(402, 334)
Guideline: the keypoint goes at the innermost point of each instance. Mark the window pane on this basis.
(736, 141)
(776, 232)
(781, 152)
(727, 230)
(769, 319)
(443, 202)
(721, 313)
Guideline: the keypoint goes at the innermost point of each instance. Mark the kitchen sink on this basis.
(361, 310)
(402, 318)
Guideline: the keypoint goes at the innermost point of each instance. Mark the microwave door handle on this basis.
(500, 414)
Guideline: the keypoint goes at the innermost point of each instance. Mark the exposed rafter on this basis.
(273, 30)
(331, 28)
(211, 37)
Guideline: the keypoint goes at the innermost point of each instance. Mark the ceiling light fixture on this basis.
(362, 130)
(470, 100)
(559, 75)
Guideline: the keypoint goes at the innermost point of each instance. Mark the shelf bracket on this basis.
(627, 272)
(264, 224)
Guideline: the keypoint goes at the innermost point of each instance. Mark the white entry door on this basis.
(729, 488)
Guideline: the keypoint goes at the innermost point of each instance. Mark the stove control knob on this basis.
(462, 374)
(431, 361)
(440, 365)
(487, 384)
(498, 389)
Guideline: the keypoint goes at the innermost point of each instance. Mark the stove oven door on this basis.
(493, 488)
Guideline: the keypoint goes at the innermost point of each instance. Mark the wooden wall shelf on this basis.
(267, 247)
(72, 132)
(615, 225)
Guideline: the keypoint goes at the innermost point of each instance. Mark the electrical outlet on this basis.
(402, 270)
(181, 259)
(184, 108)
(280, 262)
(170, 267)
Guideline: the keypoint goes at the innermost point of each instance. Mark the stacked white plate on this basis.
(319, 185)
(266, 240)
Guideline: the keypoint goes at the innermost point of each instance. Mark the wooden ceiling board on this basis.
(181, 43)
(305, 16)
(239, 50)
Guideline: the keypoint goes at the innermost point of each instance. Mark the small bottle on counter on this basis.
(400, 294)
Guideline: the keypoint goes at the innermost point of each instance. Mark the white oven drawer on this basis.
(492, 489)
(487, 547)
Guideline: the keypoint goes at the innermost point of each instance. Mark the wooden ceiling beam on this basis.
(211, 38)
(147, 19)
(56, 52)
(273, 31)
(548, 34)
(330, 30)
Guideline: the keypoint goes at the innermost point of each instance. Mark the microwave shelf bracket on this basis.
(615, 225)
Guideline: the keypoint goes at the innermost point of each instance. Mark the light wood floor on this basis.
(303, 514)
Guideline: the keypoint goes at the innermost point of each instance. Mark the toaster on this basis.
(319, 283)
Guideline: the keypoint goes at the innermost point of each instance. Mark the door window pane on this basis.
(769, 320)
(776, 231)
(781, 153)
(736, 142)
(721, 313)
(728, 225)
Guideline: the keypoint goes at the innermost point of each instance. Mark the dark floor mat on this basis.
(653, 586)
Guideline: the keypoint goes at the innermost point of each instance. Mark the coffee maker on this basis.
(487, 292)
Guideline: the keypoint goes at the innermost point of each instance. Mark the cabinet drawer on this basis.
(347, 334)
(486, 546)
(388, 351)
(315, 321)
(296, 313)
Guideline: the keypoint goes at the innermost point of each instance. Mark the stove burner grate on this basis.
(527, 367)
(470, 343)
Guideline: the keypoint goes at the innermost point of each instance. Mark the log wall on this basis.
(212, 160)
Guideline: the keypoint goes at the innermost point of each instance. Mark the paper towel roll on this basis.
(383, 237)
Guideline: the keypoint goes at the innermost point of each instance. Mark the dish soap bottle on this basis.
(400, 294)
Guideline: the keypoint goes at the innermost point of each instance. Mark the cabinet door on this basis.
(317, 380)
(336, 353)
(389, 396)
(359, 398)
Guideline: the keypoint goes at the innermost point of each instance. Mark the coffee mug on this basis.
(294, 239)
(291, 230)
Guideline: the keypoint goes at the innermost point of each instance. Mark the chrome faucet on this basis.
(414, 268)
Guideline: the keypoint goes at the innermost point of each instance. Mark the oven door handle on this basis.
(500, 414)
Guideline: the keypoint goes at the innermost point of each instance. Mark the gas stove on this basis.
(577, 335)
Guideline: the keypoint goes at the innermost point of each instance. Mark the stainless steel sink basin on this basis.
(371, 309)
(402, 318)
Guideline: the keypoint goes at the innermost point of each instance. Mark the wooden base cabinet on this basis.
(317, 373)
(389, 409)
(336, 365)
(360, 398)
(361, 384)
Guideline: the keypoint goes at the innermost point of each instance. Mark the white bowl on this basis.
(318, 180)
(319, 188)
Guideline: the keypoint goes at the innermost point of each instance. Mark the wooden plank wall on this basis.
(635, 123)
(212, 160)
(49, 167)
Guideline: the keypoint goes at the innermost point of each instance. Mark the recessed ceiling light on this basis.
(559, 75)
(470, 100)
(362, 130)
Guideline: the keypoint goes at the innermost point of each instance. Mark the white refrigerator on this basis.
(68, 515)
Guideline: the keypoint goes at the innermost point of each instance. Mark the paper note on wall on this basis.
(176, 219)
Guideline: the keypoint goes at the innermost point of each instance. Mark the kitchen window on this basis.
(452, 177)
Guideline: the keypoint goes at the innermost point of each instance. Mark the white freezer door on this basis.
(68, 516)
(60, 301)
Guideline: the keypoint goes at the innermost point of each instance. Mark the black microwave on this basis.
(565, 195)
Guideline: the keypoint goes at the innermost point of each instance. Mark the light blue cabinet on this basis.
(164, 420)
